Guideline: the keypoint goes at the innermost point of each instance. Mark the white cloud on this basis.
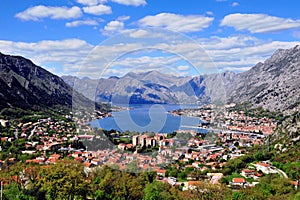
(38, 12)
(210, 13)
(236, 53)
(234, 4)
(131, 2)
(123, 2)
(183, 67)
(123, 18)
(181, 23)
(91, 2)
(259, 23)
(139, 34)
(60, 53)
(87, 22)
(98, 10)
(114, 26)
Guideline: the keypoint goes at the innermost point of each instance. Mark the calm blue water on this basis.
(148, 118)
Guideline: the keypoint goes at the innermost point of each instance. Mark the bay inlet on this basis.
(149, 118)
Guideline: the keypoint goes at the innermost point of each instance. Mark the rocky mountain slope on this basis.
(27, 86)
(273, 85)
(148, 87)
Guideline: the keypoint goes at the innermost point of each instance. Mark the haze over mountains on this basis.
(274, 85)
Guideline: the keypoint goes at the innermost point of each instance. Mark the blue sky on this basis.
(112, 37)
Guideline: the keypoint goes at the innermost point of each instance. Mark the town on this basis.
(183, 158)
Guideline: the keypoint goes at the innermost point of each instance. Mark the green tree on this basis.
(157, 191)
(64, 180)
(12, 191)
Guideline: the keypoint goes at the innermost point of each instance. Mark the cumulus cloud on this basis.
(139, 34)
(91, 2)
(259, 23)
(38, 12)
(98, 10)
(113, 26)
(175, 22)
(87, 22)
(131, 2)
(236, 53)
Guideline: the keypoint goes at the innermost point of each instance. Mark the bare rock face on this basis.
(273, 85)
(27, 86)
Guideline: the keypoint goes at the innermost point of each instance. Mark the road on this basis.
(282, 173)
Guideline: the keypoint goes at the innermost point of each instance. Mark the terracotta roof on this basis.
(248, 170)
(295, 183)
(264, 164)
(238, 180)
(161, 171)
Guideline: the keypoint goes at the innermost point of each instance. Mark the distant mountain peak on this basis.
(272, 84)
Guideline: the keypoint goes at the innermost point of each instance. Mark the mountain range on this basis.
(273, 85)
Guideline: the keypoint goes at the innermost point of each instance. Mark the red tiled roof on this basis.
(238, 180)
(295, 183)
(248, 170)
(264, 164)
(161, 171)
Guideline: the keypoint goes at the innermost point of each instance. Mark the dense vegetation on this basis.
(71, 182)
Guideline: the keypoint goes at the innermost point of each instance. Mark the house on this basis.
(54, 147)
(86, 137)
(248, 172)
(53, 158)
(142, 140)
(296, 184)
(122, 146)
(95, 161)
(77, 154)
(215, 177)
(172, 181)
(151, 142)
(238, 183)
(129, 146)
(196, 164)
(191, 185)
(161, 172)
(264, 167)
(135, 140)
(159, 137)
